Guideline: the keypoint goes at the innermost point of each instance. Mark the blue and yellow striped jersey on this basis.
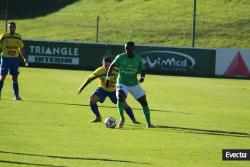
(101, 74)
(10, 44)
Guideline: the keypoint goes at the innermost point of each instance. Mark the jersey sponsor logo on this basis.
(111, 85)
(168, 60)
(12, 52)
(130, 71)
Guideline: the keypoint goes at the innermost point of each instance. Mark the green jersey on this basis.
(128, 68)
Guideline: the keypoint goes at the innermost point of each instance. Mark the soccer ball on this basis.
(110, 122)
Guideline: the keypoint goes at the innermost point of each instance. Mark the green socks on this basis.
(120, 106)
(145, 109)
(146, 114)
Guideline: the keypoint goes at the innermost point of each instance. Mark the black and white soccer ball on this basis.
(110, 122)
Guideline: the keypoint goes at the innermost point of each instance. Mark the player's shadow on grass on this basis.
(64, 157)
(204, 131)
(101, 106)
(26, 163)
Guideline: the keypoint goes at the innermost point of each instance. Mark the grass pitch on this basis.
(195, 119)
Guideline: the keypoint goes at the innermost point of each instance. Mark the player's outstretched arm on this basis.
(111, 67)
(80, 90)
(83, 86)
(92, 77)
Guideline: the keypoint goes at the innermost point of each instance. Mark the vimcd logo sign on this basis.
(168, 60)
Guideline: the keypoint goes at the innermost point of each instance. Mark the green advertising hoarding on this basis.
(159, 60)
(178, 61)
(68, 54)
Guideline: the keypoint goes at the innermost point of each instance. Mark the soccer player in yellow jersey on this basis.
(102, 91)
(12, 45)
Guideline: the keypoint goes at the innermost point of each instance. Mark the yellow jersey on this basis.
(101, 73)
(10, 44)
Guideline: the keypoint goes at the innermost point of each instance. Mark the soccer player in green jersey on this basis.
(102, 92)
(12, 45)
(129, 64)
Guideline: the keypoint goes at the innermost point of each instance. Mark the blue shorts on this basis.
(102, 94)
(9, 65)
